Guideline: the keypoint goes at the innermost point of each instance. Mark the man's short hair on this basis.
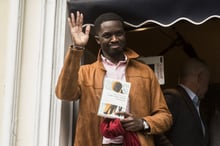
(193, 66)
(106, 17)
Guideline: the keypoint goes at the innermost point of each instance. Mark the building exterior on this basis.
(33, 39)
(31, 55)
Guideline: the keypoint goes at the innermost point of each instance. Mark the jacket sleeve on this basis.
(161, 118)
(171, 97)
(67, 87)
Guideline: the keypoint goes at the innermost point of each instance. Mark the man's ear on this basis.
(97, 39)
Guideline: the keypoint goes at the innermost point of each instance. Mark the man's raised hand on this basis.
(79, 37)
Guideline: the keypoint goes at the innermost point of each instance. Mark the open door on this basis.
(174, 29)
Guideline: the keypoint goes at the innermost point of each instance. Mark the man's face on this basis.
(111, 38)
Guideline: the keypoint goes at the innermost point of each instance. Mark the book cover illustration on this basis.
(114, 98)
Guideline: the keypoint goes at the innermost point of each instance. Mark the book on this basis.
(114, 98)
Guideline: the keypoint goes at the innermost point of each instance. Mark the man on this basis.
(188, 129)
(147, 113)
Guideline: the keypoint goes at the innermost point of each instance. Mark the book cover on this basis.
(114, 98)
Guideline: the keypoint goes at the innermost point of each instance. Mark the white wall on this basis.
(3, 42)
(30, 51)
(32, 44)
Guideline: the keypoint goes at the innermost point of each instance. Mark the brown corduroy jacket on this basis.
(86, 83)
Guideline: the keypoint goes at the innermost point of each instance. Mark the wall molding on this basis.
(48, 110)
(13, 68)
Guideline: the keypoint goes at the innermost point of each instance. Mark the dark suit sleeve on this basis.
(171, 97)
(172, 102)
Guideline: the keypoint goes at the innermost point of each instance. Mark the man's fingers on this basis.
(69, 22)
(125, 114)
(87, 29)
(73, 19)
(120, 113)
(78, 18)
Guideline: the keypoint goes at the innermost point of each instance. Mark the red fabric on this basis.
(111, 128)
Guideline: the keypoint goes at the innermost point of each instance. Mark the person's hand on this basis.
(79, 37)
(130, 122)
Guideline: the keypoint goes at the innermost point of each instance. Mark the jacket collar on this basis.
(131, 54)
